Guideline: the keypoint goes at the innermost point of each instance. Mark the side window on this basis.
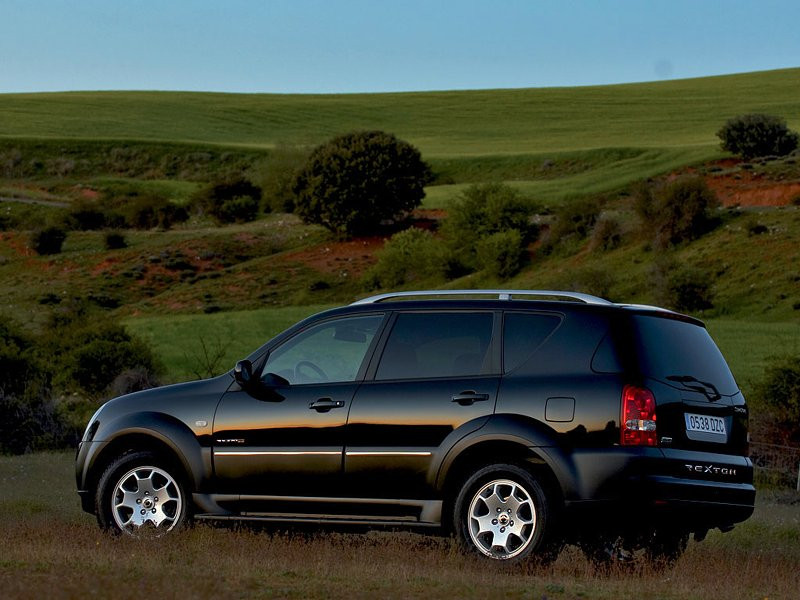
(425, 345)
(326, 353)
(523, 333)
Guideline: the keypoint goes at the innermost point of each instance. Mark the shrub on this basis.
(48, 240)
(150, 211)
(779, 389)
(85, 215)
(410, 255)
(482, 211)
(115, 240)
(574, 219)
(30, 423)
(597, 281)
(501, 254)
(676, 211)
(606, 234)
(103, 354)
(16, 362)
(278, 173)
(356, 181)
(754, 135)
(681, 288)
(231, 200)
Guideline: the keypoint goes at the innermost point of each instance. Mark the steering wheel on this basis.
(313, 367)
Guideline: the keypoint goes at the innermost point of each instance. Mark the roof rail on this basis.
(501, 295)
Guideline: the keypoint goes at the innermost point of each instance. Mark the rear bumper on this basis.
(696, 490)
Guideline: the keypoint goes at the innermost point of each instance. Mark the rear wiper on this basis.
(709, 389)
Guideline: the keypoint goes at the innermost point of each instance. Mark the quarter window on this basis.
(326, 353)
(426, 345)
(523, 333)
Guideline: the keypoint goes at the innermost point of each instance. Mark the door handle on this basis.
(469, 397)
(325, 404)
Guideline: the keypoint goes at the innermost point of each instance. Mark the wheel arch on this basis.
(156, 432)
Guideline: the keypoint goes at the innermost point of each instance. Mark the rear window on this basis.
(667, 348)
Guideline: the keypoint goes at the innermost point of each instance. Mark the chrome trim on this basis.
(277, 452)
(501, 295)
(385, 453)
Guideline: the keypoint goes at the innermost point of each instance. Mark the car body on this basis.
(520, 420)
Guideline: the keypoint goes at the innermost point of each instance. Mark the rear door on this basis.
(434, 380)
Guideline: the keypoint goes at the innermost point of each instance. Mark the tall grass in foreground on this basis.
(54, 550)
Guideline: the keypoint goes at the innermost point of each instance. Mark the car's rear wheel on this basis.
(140, 494)
(502, 512)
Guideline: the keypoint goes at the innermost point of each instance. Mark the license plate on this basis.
(705, 424)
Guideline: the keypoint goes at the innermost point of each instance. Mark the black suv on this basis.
(518, 420)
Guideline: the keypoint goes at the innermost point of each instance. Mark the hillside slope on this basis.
(458, 123)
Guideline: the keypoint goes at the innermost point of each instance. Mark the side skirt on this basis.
(356, 511)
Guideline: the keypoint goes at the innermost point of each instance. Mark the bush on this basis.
(99, 354)
(231, 200)
(48, 240)
(574, 220)
(278, 173)
(681, 288)
(150, 211)
(480, 212)
(410, 255)
(779, 389)
(593, 280)
(606, 234)
(755, 135)
(30, 423)
(16, 360)
(501, 254)
(354, 182)
(676, 211)
(115, 240)
(86, 215)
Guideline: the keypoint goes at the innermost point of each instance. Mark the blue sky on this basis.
(369, 46)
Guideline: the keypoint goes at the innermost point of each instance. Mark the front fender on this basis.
(112, 437)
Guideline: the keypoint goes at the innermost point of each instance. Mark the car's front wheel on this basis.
(503, 513)
(141, 494)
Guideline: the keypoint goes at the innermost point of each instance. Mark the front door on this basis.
(288, 438)
(436, 380)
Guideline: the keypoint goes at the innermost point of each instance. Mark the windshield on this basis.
(681, 354)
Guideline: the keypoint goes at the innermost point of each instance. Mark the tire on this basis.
(141, 494)
(503, 513)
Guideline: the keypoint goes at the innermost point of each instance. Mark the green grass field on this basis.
(54, 550)
(459, 123)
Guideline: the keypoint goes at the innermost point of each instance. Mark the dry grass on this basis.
(53, 550)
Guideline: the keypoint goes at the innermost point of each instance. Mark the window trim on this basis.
(493, 350)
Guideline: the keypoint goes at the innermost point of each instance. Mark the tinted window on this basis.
(523, 333)
(329, 352)
(666, 347)
(436, 345)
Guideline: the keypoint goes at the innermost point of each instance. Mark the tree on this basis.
(354, 182)
(756, 134)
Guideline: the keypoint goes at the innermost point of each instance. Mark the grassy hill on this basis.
(553, 145)
(680, 113)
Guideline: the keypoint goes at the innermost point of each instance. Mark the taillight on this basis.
(638, 426)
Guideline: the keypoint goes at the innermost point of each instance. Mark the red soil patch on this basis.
(353, 256)
(753, 190)
(88, 193)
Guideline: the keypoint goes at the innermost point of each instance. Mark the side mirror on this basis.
(243, 373)
(273, 380)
